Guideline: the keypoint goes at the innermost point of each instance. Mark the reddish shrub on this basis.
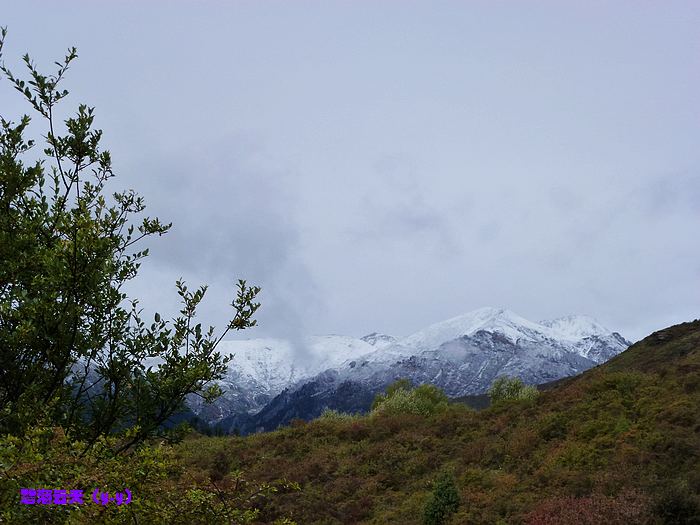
(355, 431)
(627, 507)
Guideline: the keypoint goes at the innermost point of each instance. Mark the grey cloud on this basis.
(396, 208)
(449, 158)
(233, 219)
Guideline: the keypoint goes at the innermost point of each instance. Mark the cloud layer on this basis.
(376, 166)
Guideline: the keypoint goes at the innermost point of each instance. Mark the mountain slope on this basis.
(617, 444)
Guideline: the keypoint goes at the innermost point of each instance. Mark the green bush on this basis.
(400, 398)
(443, 501)
(511, 388)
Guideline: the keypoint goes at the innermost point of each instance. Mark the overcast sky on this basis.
(380, 166)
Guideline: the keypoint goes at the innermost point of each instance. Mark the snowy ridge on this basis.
(278, 363)
(378, 340)
(496, 320)
(576, 327)
(461, 355)
(464, 354)
(262, 368)
(577, 334)
(508, 324)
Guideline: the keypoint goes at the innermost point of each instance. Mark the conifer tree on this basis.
(443, 502)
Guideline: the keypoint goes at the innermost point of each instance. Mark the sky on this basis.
(381, 166)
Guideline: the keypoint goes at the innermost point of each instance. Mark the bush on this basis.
(510, 388)
(163, 490)
(628, 507)
(677, 505)
(443, 502)
(400, 398)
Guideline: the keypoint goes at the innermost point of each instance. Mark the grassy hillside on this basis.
(618, 444)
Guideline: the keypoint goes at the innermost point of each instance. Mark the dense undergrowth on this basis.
(165, 489)
(618, 444)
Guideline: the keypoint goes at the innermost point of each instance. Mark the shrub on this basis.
(221, 465)
(677, 505)
(443, 501)
(627, 507)
(400, 398)
(163, 490)
(392, 390)
(509, 388)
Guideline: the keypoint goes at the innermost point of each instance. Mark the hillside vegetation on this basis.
(618, 444)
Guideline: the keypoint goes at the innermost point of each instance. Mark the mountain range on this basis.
(272, 381)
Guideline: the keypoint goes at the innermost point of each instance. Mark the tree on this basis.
(505, 388)
(73, 344)
(399, 385)
(443, 501)
(401, 398)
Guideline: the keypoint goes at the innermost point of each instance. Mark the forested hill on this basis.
(617, 444)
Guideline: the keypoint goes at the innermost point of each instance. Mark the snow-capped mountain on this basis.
(494, 320)
(463, 355)
(570, 331)
(261, 368)
(277, 363)
(272, 381)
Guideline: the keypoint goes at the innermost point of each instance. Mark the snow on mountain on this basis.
(262, 368)
(579, 334)
(496, 320)
(278, 363)
(378, 340)
(576, 327)
(462, 355)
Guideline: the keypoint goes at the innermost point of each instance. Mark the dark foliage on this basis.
(443, 502)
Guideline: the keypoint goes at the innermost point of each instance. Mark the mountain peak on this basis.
(487, 318)
(576, 326)
(507, 323)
